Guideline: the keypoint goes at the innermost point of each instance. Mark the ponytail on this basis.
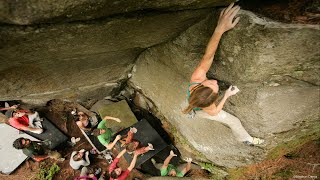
(188, 109)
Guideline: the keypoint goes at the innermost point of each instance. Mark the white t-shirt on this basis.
(83, 162)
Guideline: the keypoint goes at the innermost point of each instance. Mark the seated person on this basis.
(79, 158)
(36, 150)
(170, 170)
(86, 122)
(104, 134)
(132, 145)
(26, 120)
(116, 172)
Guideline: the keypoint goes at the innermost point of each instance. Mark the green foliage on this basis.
(207, 166)
(46, 172)
(215, 171)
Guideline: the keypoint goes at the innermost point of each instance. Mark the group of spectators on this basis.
(27, 120)
(88, 122)
(130, 145)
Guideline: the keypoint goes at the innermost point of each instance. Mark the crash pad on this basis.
(145, 134)
(11, 158)
(120, 110)
(159, 158)
(94, 141)
(51, 133)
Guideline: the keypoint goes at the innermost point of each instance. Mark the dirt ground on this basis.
(303, 163)
(288, 11)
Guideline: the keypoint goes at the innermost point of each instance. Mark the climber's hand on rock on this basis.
(232, 90)
(226, 21)
(189, 160)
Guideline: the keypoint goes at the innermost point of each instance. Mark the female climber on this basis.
(203, 93)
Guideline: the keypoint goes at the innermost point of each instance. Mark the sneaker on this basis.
(93, 151)
(109, 161)
(78, 139)
(150, 146)
(73, 140)
(37, 131)
(74, 112)
(255, 141)
(153, 161)
(107, 156)
(97, 172)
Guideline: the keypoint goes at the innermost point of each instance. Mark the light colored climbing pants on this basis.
(233, 122)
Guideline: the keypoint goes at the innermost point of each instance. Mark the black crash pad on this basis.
(51, 133)
(149, 168)
(145, 134)
(95, 141)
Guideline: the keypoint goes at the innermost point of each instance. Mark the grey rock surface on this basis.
(82, 59)
(262, 58)
(49, 11)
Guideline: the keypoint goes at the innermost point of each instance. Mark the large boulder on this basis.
(82, 59)
(276, 67)
(49, 11)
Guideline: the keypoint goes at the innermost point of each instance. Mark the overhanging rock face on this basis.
(49, 11)
(80, 59)
(274, 100)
